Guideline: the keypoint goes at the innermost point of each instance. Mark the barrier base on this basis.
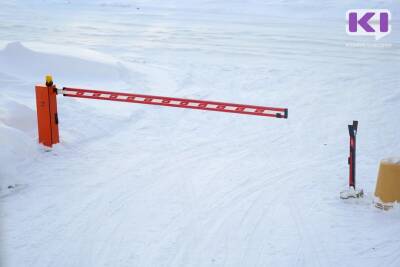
(351, 193)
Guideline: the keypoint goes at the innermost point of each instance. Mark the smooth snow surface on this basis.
(138, 185)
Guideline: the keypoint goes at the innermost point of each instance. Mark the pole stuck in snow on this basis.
(352, 192)
(48, 117)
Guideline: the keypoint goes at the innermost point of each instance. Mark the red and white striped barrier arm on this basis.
(176, 102)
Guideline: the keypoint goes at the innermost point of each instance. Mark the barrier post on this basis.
(47, 117)
(352, 192)
(46, 103)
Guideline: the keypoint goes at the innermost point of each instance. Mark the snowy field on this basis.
(138, 185)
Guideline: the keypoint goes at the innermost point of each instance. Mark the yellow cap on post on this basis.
(49, 80)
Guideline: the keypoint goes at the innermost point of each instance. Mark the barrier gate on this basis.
(47, 115)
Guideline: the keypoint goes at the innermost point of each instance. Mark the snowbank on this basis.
(16, 148)
(17, 139)
(20, 69)
(19, 61)
(16, 115)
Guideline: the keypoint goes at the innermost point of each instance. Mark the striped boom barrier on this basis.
(176, 102)
(48, 117)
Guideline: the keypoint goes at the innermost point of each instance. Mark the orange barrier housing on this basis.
(46, 105)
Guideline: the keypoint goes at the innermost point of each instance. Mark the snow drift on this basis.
(20, 62)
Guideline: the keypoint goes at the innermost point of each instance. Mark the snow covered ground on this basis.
(133, 185)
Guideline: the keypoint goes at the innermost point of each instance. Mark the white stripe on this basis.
(193, 104)
(69, 92)
(249, 110)
(271, 112)
(157, 100)
(230, 108)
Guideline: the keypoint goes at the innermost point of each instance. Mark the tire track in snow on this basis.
(224, 212)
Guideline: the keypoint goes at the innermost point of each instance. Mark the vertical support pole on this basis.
(352, 157)
(352, 192)
(47, 117)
